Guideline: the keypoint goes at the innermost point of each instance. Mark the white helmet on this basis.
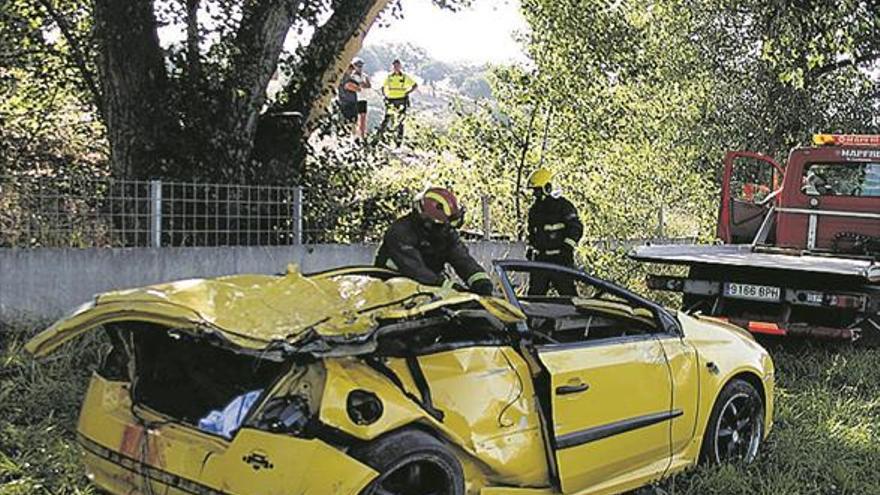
(357, 61)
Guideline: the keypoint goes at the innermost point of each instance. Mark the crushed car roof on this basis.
(257, 311)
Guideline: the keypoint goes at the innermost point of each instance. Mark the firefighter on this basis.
(554, 230)
(421, 243)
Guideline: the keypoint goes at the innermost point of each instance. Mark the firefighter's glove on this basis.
(483, 287)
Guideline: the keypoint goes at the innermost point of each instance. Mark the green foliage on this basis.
(39, 404)
(633, 105)
(48, 120)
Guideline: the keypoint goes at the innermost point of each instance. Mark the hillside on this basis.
(441, 84)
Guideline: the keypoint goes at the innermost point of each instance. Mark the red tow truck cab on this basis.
(802, 243)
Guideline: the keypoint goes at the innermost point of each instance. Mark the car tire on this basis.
(736, 426)
(411, 461)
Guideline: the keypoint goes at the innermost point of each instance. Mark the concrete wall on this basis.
(46, 283)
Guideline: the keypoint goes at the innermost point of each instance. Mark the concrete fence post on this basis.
(298, 215)
(487, 219)
(155, 213)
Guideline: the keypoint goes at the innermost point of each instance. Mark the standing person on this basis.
(397, 88)
(421, 243)
(352, 102)
(554, 230)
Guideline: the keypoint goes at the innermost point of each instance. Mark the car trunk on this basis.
(185, 378)
(147, 404)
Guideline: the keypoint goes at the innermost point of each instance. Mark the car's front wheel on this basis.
(736, 426)
(411, 462)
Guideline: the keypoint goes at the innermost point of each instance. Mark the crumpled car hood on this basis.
(257, 311)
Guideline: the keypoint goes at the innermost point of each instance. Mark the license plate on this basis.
(750, 291)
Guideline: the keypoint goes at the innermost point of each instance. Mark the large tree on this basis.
(192, 103)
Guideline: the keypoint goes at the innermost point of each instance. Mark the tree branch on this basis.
(193, 59)
(258, 46)
(79, 58)
(840, 64)
(328, 54)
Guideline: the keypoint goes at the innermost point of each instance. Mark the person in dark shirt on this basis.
(554, 230)
(421, 243)
(350, 97)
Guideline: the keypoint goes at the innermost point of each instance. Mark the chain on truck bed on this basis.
(856, 243)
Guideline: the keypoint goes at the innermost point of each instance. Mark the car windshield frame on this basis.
(667, 321)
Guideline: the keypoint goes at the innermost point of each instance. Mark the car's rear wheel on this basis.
(411, 462)
(736, 426)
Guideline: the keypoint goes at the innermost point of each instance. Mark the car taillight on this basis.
(844, 301)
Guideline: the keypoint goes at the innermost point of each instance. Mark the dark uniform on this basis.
(421, 253)
(554, 231)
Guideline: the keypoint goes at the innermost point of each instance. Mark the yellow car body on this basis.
(352, 358)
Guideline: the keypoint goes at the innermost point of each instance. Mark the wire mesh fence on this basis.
(98, 212)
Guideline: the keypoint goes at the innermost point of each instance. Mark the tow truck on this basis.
(799, 251)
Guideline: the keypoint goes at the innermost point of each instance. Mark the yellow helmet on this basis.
(540, 178)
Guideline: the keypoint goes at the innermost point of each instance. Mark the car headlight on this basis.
(285, 415)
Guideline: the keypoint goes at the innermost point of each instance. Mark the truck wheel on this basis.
(736, 426)
(411, 462)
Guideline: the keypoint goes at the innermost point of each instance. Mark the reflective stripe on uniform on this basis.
(571, 242)
(391, 264)
(398, 85)
(553, 251)
(554, 226)
(447, 208)
(476, 277)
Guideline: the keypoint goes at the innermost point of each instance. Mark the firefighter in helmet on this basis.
(554, 230)
(421, 243)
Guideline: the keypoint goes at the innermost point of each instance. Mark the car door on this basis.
(749, 185)
(610, 403)
(610, 398)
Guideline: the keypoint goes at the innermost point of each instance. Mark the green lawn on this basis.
(826, 439)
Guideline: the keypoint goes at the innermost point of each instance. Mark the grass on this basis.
(826, 439)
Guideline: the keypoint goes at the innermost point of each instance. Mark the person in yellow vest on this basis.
(397, 88)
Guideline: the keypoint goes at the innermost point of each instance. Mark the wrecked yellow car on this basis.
(358, 381)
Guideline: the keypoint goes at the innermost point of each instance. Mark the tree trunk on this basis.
(134, 89)
(258, 46)
(330, 51)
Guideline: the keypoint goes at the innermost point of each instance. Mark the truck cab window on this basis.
(842, 179)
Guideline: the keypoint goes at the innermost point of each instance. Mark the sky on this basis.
(482, 33)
